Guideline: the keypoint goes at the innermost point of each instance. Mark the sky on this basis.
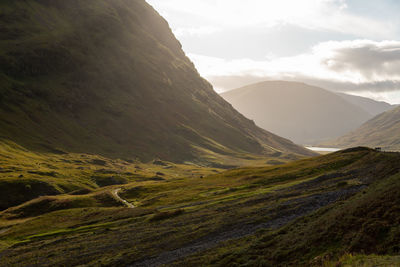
(350, 46)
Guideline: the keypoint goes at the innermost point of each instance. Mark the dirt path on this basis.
(115, 194)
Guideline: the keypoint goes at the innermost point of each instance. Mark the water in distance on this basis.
(323, 149)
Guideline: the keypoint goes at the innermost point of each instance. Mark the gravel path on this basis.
(115, 194)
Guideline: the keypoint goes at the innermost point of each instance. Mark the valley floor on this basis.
(116, 213)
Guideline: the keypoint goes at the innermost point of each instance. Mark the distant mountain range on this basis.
(303, 113)
(109, 78)
(381, 131)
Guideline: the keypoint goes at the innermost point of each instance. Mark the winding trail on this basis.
(115, 194)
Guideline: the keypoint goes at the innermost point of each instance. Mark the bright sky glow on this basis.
(340, 45)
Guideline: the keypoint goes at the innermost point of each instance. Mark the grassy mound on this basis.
(19, 191)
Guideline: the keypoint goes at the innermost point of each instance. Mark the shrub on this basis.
(166, 215)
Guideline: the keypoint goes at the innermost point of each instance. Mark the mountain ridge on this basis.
(110, 78)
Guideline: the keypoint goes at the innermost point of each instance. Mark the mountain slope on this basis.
(302, 113)
(365, 225)
(381, 131)
(369, 105)
(109, 77)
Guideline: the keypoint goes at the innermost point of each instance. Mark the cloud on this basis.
(372, 60)
(325, 15)
(195, 31)
(360, 66)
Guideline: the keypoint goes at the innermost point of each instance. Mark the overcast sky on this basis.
(343, 45)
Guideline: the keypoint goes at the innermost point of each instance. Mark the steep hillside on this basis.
(302, 113)
(381, 131)
(369, 105)
(109, 77)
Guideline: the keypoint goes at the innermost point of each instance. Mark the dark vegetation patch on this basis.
(109, 180)
(166, 215)
(355, 149)
(105, 171)
(15, 192)
(99, 162)
(156, 178)
(222, 166)
(275, 162)
(135, 192)
(83, 191)
(159, 162)
(44, 173)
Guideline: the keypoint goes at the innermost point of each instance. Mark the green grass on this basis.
(366, 223)
(24, 175)
(43, 205)
(184, 209)
(350, 260)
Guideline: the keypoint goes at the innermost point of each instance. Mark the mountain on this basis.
(303, 113)
(371, 106)
(381, 131)
(109, 78)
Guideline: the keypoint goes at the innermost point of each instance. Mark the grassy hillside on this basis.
(109, 78)
(326, 208)
(363, 229)
(303, 113)
(27, 175)
(381, 131)
(371, 106)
